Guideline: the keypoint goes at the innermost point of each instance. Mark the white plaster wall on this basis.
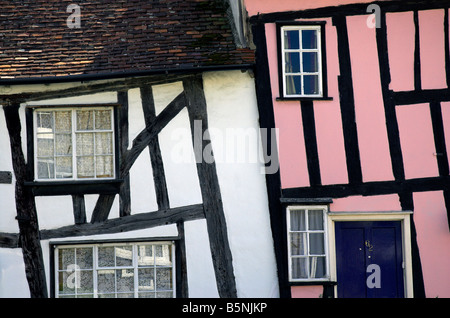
(232, 111)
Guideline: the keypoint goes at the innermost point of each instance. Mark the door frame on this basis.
(402, 216)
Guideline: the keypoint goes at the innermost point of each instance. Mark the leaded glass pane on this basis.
(84, 258)
(86, 282)
(124, 256)
(146, 279)
(85, 144)
(45, 167)
(145, 255)
(66, 257)
(163, 278)
(125, 280)
(63, 144)
(63, 121)
(163, 255)
(85, 167)
(103, 119)
(106, 256)
(85, 119)
(103, 143)
(106, 281)
(66, 283)
(164, 295)
(45, 145)
(44, 121)
(63, 167)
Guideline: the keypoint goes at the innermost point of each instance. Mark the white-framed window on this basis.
(74, 143)
(307, 243)
(115, 270)
(301, 61)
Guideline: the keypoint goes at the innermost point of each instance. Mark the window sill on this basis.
(80, 187)
(283, 99)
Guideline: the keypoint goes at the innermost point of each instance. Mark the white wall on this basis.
(231, 103)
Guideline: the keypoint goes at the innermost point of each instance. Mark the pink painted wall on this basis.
(432, 52)
(377, 203)
(433, 238)
(369, 109)
(401, 37)
(445, 107)
(417, 141)
(288, 119)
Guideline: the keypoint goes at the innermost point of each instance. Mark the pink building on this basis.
(359, 93)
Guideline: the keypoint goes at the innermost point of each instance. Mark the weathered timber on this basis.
(26, 209)
(124, 193)
(102, 208)
(210, 190)
(9, 240)
(159, 177)
(181, 264)
(143, 139)
(5, 177)
(128, 223)
(79, 209)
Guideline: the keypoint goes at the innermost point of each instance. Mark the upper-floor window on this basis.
(302, 64)
(307, 243)
(74, 143)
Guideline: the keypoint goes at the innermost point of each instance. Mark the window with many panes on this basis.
(301, 61)
(307, 243)
(128, 270)
(74, 143)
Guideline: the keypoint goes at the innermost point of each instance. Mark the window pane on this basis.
(311, 84)
(315, 219)
(63, 121)
(86, 281)
(299, 267)
(44, 121)
(163, 255)
(310, 62)
(103, 144)
(298, 220)
(317, 267)
(63, 144)
(106, 256)
(293, 85)
(84, 257)
(299, 243)
(85, 144)
(163, 278)
(85, 167)
(85, 119)
(146, 280)
(104, 166)
(124, 256)
(45, 145)
(63, 167)
(125, 280)
(103, 119)
(316, 244)
(45, 168)
(66, 257)
(145, 255)
(66, 284)
(309, 39)
(106, 281)
(291, 39)
(292, 62)
(164, 295)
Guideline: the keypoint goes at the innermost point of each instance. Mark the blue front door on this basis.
(369, 259)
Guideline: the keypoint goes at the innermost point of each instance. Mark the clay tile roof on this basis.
(115, 36)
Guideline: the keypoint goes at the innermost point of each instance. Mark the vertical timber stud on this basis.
(29, 238)
(124, 194)
(209, 184)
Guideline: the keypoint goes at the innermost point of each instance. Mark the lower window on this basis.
(307, 243)
(128, 270)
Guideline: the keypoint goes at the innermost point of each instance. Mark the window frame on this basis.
(56, 246)
(326, 254)
(33, 152)
(302, 25)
